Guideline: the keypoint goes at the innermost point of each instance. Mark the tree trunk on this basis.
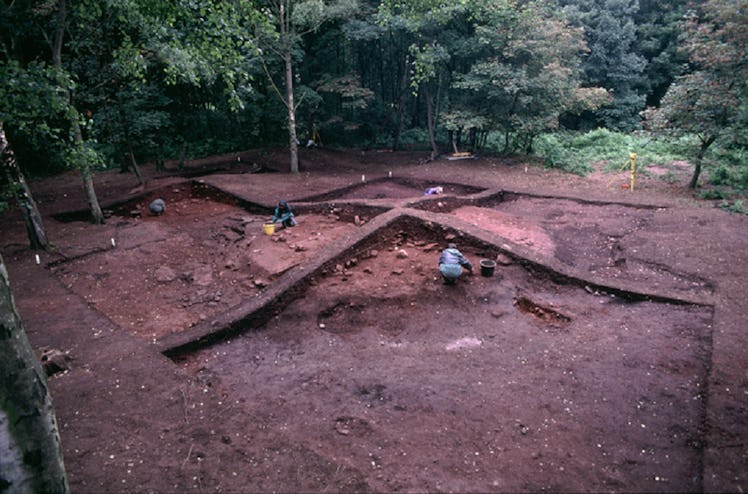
(62, 12)
(93, 202)
(31, 215)
(135, 166)
(30, 453)
(97, 217)
(430, 124)
(699, 159)
(182, 156)
(403, 93)
(285, 32)
(133, 161)
(292, 140)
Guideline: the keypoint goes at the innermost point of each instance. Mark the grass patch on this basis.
(576, 152)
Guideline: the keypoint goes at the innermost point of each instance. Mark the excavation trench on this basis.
(340, 333)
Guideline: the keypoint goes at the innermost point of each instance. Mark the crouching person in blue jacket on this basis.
(451, 263)
(284, 215)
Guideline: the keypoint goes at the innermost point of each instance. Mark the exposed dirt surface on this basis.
(607, 351)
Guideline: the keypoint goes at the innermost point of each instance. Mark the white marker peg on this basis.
(363, 178)
(390, 174)
(114, 244)
(38, 261)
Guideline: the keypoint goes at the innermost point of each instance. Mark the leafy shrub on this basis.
(415, 138)
(735, 207)
(711, 194)
(557, 153)
(720, 176)
(731, 167)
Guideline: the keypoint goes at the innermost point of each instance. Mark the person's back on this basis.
(451, 262)
(157, 207)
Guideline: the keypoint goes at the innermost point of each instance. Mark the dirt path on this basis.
(378, 377)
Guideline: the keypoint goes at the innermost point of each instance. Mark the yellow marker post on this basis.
(632, 157)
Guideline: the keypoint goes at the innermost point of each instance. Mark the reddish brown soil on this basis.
(606, 353)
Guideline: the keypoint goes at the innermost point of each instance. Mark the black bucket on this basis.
(486, 267)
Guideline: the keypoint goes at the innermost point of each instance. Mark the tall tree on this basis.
(525, 72)
(278, 34)
(82, 153)
(22, 191)
(431, 25)
(380, 42)
(657, 41)
(32, 105)
(711, 101)
(612, 63)
(30, 451)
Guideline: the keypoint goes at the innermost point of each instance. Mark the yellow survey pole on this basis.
(632, 157)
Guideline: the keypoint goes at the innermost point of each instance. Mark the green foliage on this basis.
(85, 154)
(734, 207)
(522, 71)
(709, 102)
(657, 41)
(730, 168)
(415, 138)
(557, 152)
(611, 63)
(36, 112)
(576, 152)
(711, 194)
(155, 73)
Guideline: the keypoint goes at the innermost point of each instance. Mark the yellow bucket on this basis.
(268, 228)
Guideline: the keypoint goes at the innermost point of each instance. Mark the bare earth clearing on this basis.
(606, 353)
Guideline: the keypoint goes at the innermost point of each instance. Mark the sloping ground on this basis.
(132, 421)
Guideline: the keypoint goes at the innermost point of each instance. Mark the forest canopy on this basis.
(98, 83)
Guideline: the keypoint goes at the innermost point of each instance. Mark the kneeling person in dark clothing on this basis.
(451, 263)
(284, 215)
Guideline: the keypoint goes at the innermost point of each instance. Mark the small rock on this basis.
(498, 313)
(202, 275)
(164, 274)
(398, 271)
(402, 254)
(260, 283)
(503, 260)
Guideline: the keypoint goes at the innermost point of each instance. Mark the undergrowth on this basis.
(578, 152)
